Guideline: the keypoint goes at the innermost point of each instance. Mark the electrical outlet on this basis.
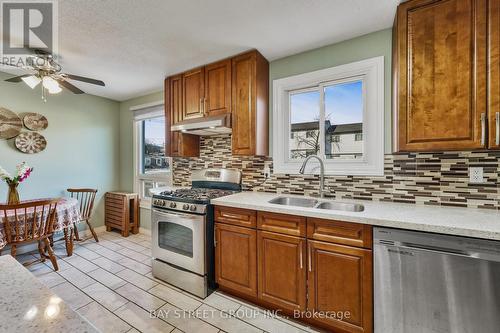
(476, 175)
(267, 172)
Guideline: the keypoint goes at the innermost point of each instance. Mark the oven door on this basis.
(179, 239)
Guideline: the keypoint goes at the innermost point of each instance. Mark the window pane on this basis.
(344, 120)
(304, 118)
(153, 145)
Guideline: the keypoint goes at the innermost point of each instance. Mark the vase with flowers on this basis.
(23, 171)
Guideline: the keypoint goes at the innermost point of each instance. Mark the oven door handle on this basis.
(178, 215)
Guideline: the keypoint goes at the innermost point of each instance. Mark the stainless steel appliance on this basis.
(183, 230)
(435, 283)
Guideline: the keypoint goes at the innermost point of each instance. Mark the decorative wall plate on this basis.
(30, 142)
(10, 124)
(35, 121)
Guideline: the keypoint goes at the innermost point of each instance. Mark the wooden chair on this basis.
(30, 222)
(86, 197)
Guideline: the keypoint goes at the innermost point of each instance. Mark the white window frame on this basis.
(371, 72)
(143, 112)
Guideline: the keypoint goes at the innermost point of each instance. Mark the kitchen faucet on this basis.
(321, 175)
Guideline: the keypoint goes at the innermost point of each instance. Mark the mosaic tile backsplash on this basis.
(419, 178)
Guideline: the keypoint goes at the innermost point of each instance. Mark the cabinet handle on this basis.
(300, 254)
(201, 105)
(205, 106)
(309, 257)
(215, 237)
(483, 129)
(497, 120)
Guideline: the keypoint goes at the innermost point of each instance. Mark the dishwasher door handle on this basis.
(431, 250)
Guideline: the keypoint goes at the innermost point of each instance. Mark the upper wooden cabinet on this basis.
(218, 88)
(250, 99)
(440, 75)
(193, 85)
(494, 73)
(177, 144)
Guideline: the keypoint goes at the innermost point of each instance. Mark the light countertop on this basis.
(470, 222)
(26, 305)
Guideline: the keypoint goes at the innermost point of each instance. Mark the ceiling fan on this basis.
(47, 71)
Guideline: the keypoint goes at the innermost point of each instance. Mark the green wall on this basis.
(127, 144)
(82, 144)
(368, 46)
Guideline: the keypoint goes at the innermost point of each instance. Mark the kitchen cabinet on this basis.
(193, 96)
(494, 73)
(218, 88)
(340, 281)
(305, 265)
(281, 270)
(236, 259)
(440, 75)
(250, 99)
(178, 144)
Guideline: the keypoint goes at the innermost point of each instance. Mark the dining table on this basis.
(67, 215)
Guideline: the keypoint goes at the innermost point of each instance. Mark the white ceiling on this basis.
(132, 45)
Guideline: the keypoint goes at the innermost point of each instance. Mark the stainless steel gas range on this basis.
(183, 230)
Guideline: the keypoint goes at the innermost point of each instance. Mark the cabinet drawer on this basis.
(236, 216)
(346, 233)
(282, 223)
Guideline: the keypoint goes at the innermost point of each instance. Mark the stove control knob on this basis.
(173, 205)
(192, 208)
(185, 206)
(155, 202)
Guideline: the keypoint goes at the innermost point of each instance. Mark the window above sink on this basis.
(336, 113)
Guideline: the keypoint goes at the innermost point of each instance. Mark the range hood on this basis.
(212, 125)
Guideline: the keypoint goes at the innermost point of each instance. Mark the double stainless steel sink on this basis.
(313, 203)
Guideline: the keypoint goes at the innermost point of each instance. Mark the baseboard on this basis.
(145, 231)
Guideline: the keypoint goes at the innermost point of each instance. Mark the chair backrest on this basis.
(28, 221)
(85, 197)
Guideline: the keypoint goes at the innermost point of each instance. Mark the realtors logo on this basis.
(28, 25)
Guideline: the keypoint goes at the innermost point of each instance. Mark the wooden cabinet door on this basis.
(193, 86)
(174, 144)
(175, 99)
(236, 259)
(282, 270)
(243, 99)
(494, 74)
(440, 75)
(218, 88)
(340, 279)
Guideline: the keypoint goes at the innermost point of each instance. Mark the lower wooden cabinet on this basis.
(340, 282)
(282, 270)
(236, 258)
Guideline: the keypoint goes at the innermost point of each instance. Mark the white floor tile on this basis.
(40, 268)
(81, 263)
(71, 295)
(175, 297)
(85, 253)
(51, 279)
(108, 265)
(110, 254)
(140, 297)
(111, 245)
(77, 277)
(137, 279)
(102, 319)
(134, 255)
(132, 246)
(105, 296)
(106, 278)
(223, 321)
(185, 320)
(221, 303)
(135, 266)
(141, 320)
(258, 318)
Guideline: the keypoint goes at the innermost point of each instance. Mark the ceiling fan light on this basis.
(55, 90)
(49, 83)
(32, 81)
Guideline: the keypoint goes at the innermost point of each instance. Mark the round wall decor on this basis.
(10, 124)
(30, 142)
(35, 122)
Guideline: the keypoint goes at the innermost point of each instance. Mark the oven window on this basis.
(175, 238)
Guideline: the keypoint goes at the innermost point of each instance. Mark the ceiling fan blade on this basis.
(70, 87)
(17, 79)
(84, 79)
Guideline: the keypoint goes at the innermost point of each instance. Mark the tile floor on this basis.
(110, 283)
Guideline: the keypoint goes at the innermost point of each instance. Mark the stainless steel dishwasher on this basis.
(428, 283)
